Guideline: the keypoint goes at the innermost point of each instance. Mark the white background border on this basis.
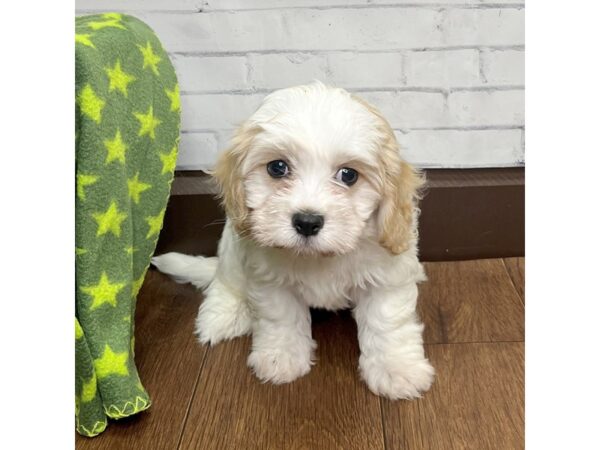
(563, 226)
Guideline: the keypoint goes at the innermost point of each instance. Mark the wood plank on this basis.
(516, 271)
(169, 361)
(477, 401)
(470, 301)
(328, 408)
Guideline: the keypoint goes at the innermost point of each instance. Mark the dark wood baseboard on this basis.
(465, 214)
(474, 213)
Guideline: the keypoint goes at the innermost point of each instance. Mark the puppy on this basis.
(321, 212)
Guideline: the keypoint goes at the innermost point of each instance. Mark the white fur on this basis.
(265, 282)
(197, 270)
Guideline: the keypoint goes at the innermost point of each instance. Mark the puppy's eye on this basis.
(347, 176)
(278, 168)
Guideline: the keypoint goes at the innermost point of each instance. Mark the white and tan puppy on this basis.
(321, 212)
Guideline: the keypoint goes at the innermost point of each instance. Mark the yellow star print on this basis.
(111, 363)
(83, 181)
(91, 105)
(78, 330)
(118, 79)
(174, 97)
(136, 286)
(113, 15)
(116, 149)
(110, 221)
(84, 39)
(151, 59)
(148, 122)
(169, 160)
(103, 292)
(107, 23)
(130, 250)
(88, 390)
(155, 223)
(80, 251)
(136, 187)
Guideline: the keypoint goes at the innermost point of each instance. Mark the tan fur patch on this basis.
(400, 190)
(228, 175)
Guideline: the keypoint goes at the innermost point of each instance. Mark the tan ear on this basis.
(400, 190)
(396, 219)
(229, 177)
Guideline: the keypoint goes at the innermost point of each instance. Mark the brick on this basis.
(207, 73)
(424, 2)
(504, 2)
(216, 111)
(278, 71)
(215, 5)
(139, 5)
(461, 148)
(409, 109)
(442, 68)
(227, 111)
(483, 27)
(224, 138)
(486, 108)
(337, 29)
(365, 70)
(197, 151)
(298, 29)
(504, 67)
(344, 69)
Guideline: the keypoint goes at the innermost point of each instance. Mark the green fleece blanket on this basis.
(127, 134)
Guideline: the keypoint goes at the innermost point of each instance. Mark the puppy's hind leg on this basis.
(224, 314)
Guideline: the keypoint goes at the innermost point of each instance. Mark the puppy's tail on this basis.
(198, 270)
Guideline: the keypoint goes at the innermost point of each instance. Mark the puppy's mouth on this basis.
(312, 246)
(308, 245)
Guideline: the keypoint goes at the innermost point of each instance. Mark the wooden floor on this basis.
(206, 398)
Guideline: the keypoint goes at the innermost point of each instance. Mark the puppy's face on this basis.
(311, 169)
(311, 194)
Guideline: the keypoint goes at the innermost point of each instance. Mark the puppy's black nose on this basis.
(307, 224)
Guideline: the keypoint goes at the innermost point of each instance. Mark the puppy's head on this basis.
(314, 170)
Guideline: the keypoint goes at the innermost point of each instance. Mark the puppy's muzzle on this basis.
(307, 224)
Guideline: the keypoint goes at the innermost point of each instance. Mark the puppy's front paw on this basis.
(279, 366)
(399, 379)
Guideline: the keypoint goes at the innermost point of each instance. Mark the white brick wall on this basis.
(443, 69)
(501, 67)
(448, 75)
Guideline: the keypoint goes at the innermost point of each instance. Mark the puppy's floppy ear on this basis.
(398, 206)
(400, 191)
(228, 174)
